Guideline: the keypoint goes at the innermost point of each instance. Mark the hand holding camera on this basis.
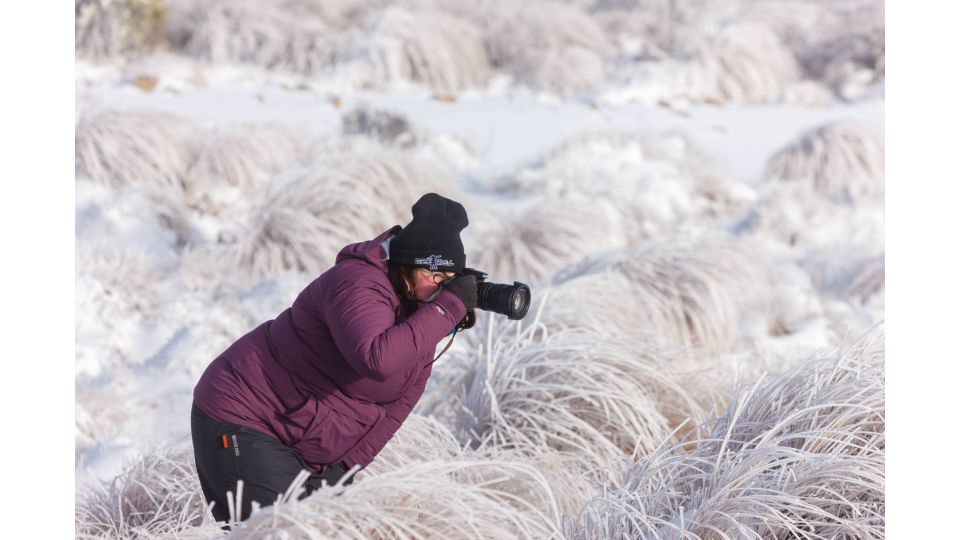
(471, 287)
(465, 288)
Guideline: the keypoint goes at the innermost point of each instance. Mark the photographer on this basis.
(326, 384)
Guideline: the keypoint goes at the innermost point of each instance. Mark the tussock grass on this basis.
(841, 44)
(442, 51)
(843, 161)
(644, 32)
(546, 237)
(647, 30)
(546, 45)
(292, 35)
(703, 50)
(106, 29)
(740, 61)
(823, 191)
(424, 484)
(457, 498)
(307, 215)
(799, 455)
(745, 63)
(586, 394)
(233, 162)
(690, 292)
(120, 148)
(420, 438)
(157, 497)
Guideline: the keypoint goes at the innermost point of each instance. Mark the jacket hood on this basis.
(370, 251)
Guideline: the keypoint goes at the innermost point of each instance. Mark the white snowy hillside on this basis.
(693, 189)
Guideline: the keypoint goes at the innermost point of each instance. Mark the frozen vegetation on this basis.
(694, 190)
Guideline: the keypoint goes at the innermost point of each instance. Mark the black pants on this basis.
(228, 452)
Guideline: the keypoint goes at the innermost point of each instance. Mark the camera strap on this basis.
(447, 346)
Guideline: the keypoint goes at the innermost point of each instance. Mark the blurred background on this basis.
(694, 190)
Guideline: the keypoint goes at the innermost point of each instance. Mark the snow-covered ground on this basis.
(737, 233)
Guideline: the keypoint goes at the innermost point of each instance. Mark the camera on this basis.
(510, 300)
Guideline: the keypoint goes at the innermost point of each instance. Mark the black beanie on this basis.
(432, 239)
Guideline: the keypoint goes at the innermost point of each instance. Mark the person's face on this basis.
(426, 282)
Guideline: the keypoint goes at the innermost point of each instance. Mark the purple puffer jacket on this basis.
(334, 375)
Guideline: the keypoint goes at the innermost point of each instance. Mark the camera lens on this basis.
(510, 300)
(519, 301)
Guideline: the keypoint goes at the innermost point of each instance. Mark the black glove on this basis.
(465, 287)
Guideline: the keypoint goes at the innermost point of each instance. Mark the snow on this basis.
(504, 130)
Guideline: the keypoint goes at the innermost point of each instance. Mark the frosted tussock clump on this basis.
(134, 147)
(294, 35)
(654, 29)
(157, 497)
(580, 392)
(306, 216)
(463, 497)
(427, 439)
(743, 62)
(235, 162)
(545, 237)
(842, 160)
(107, 29)
(801, 454)
(440, 50)
(545, 45)
(693, 292)
(842, 45)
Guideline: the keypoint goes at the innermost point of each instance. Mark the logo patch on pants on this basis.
(236, 445)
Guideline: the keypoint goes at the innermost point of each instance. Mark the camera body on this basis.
(510, 300)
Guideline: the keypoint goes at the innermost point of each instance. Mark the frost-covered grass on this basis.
(801, 453)
(157, 497)
(294, 35)
(798, 455)
(589, 394)
(686, 369)
(239, 160)
(107, 28)
(841, 160)
(703, 50)
(696, 293)
(350, 191)
(462, 497)
(431, 47)
(134, 147)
